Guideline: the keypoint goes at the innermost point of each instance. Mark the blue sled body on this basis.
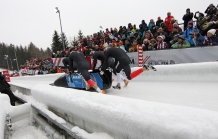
(76, 80)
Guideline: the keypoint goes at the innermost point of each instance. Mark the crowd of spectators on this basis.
(40, 66)
(199, 29)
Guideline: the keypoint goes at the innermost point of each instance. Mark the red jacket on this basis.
(168, 20)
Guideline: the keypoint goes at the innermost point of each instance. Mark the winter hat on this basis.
(212, 31)
(120, 42)
(190, 22)
(151, 20)
(158, 18)
(160, 37)
(182, 37)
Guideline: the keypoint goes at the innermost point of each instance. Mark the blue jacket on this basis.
(199, 41)
(187, 33)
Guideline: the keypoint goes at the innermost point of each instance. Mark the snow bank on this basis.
(86, 135)
(129, 118)
(4, 105)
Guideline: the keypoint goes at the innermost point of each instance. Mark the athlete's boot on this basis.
(146, 67)
(126, 83)
(116, 87)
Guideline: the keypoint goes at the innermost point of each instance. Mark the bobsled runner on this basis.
(76, 80)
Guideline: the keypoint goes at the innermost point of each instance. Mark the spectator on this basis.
(199, 18)
(144, 25)
(187, 17)
(196, 39)
(189, 30)
(122, 46)
(174, 32)
(150, 24)
(153, 28)
(134, 47)
(174, 40)
(211, 39)
(164, 27)
(134, 28)
(145, 44)
(127, 45)
(141, 30)
(182, 43)
(148, 35)
(152, 44)
(210, 11)
(170, 26)
(160, 32)
(168, 19)
(159, 20)
(160, 43)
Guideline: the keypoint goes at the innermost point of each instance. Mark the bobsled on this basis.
(76, 80)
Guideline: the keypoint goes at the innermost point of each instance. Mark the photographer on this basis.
(5, 89)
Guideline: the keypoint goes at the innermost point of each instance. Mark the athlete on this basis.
(83, 67)
(99, 55)
(66, 62)
(120, 56)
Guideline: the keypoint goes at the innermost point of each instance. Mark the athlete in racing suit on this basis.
(83, 67)
(120, 56)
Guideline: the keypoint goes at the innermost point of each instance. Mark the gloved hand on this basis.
(110, 69)
(101, 72)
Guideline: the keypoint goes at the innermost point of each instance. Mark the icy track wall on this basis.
(126, 118)
(195, 72)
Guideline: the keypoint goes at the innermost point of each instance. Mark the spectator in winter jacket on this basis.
(160, 32)
(153, 28)
(182, 43)
(170, 26)
(174, 40)
(174, 32)
(148, 35)
(127, 45)
(5, 88)
(152, 44)
(168, 19)
(150, 24)
(187, 17)
(189, 30)
(211, 39)
(145, 44)
(160, 43)
(211, 10)
(144, 25)
(164, 27)
(159, 20)
(196, 39)
(134, 46)
(121, 46)
(199, 18)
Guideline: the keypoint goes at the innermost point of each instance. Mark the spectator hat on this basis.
(212, 31)
(160, 37)
(182, 37)
(190, 22)
(120, 42)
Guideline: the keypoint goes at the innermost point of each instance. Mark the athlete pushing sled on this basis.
(120, 56)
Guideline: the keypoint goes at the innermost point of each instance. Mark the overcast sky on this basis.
(25, 21)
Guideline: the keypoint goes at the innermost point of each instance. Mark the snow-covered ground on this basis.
(177, 101)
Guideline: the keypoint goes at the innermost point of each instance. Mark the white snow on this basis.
(86, 135)
(177, 101)
(24, 130)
